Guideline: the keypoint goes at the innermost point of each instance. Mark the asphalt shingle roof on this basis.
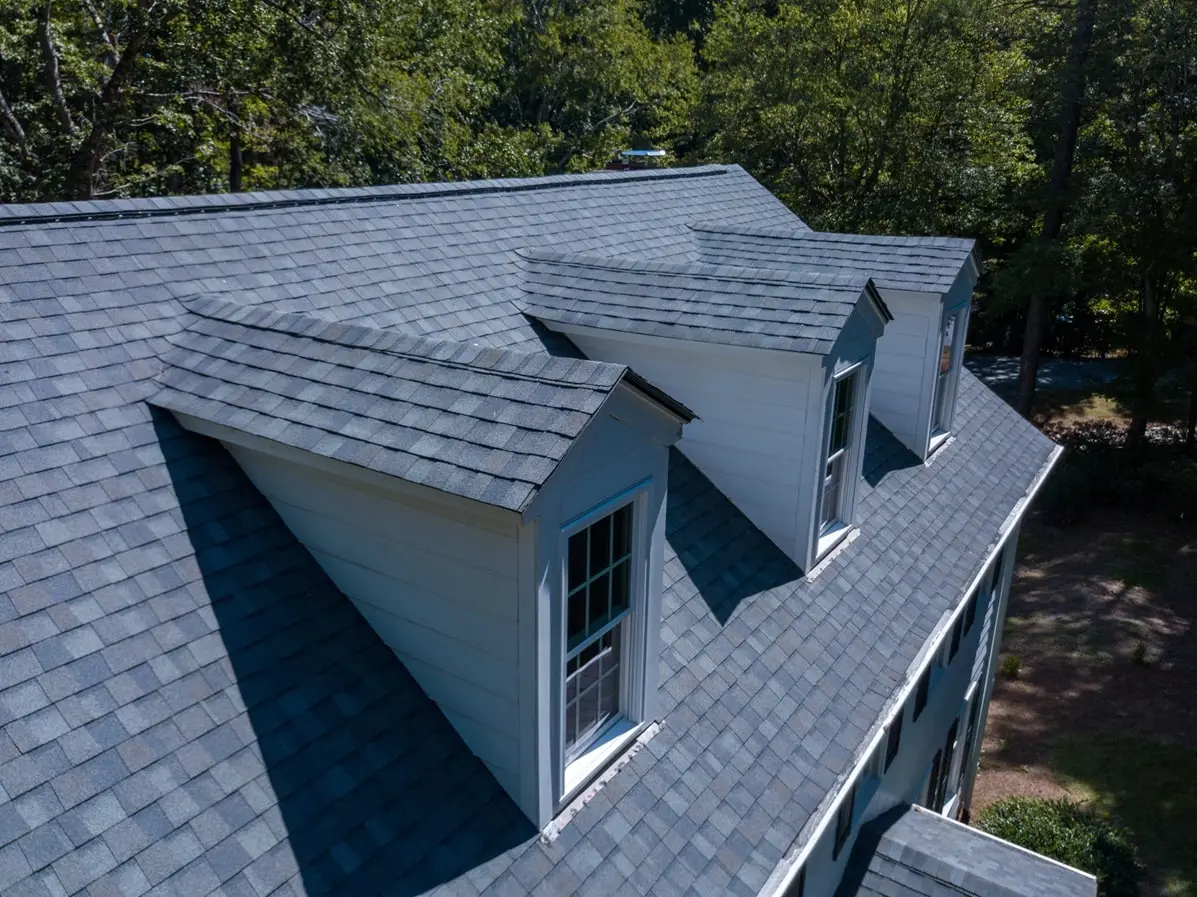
(486, 424)
(900, 263)
(912, 852)
(188, 705)
(736, 306)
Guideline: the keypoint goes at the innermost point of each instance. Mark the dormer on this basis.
(497, 517)
(777, 367)
(926, 282)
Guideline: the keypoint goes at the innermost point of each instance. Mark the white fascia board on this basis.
(812, 833)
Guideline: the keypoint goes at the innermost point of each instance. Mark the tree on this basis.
(883, 115)
(1055, 201)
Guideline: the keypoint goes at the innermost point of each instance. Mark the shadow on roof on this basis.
(884, 454)
(726, 557)
(377, 793)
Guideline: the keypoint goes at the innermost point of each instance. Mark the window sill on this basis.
(937, 439)
(830, 539)
(582, 770)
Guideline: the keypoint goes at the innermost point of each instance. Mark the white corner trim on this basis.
(810, 834)
(840, 541)
(1018, 847)
(643, 734)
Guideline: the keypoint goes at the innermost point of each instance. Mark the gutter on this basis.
(817, 827)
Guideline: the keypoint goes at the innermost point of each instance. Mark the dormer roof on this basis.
(485, 424)
(922, 264)
(723, 304)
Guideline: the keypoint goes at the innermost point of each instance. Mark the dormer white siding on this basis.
(470, 597)
(908, 357)
(760, 434)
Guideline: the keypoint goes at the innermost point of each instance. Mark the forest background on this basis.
(1062, 134)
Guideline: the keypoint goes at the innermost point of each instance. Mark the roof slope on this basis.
(485, 424)
(186, 702)
(928, 264)
(915, 852)
(717, 304)
(426, 259)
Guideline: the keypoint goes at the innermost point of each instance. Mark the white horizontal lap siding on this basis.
(439, 587)
(904, 367)
(751, 437)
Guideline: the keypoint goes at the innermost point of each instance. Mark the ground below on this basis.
(1104, 705)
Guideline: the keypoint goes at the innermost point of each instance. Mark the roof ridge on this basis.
(15, 215)
(396, 343)
(734, 273)
(817, 236)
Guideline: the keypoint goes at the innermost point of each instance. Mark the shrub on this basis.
(1071, 834)
(1011, 666)
(1139, 654)
(1096, 473)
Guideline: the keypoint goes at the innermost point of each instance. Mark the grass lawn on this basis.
(1147, 786)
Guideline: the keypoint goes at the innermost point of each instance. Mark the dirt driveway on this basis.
(1102, 622)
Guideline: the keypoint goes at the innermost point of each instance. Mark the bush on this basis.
(1071, 834)
(1096, 473)
(1011, 666)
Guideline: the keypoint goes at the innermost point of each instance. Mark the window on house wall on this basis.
(893, 740)
(970, 735)
(970, 611)
(844, 817)
(797, 888)
(957, 635)
(921, 691)
(944, 376)
(833, 512)
(598, 604)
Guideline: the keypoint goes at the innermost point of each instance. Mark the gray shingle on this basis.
(181, 569)
(289, 378)
(913, 852)
(740, 306)
(901, 263)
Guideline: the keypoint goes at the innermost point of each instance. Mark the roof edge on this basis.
(735, 273)
(16, 215)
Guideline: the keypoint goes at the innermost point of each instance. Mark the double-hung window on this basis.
(835, 473)
(941, 419)
(598, 607)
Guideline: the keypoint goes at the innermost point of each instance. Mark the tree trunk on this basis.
(1191, 428)
(1146, 370)
(234, 158)
(1057, 198)
(45, 37)
(81, 177)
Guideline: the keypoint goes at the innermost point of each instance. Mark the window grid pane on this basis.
(598, 597)
(831, 510)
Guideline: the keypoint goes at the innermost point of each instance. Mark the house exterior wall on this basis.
(906, 779)
(905, 367)
(625, 451)
(907, 355)
(470, 597)
(753, 438)
(438, 585)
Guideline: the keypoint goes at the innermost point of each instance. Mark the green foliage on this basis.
(872, 114)
(1067, 832)
(1011, 666)
(1095, 473)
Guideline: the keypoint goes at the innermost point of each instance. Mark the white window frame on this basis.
(827, 536)
(578, 771)
(942, 428)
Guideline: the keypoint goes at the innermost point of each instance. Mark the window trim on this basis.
(608, 742)
(843, 829)
(828, 535)
(893, 741)
(940, 430)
